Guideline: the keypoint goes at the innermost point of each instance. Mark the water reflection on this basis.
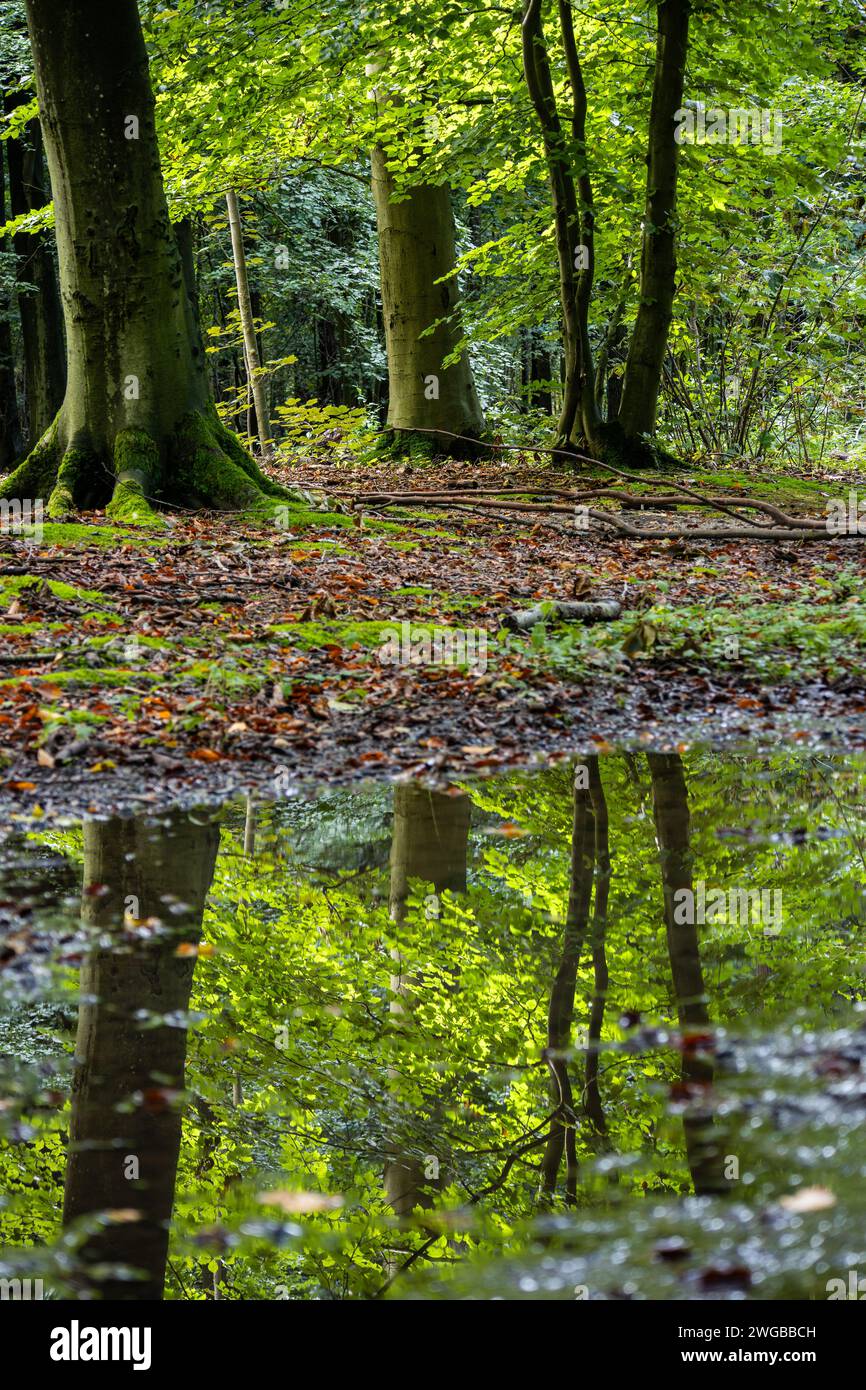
(525, 1037)
(130, 1048)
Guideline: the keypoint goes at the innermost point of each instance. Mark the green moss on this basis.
(294, 516)
(62, 499)
(771, 487)
(54, 715)
(136, 467)
(35, 477)
(331, 634)
(17, 583)
(73, 533)
(363, 633)
(213, 465)
(108, 676)
(26, 629)
(227, 679)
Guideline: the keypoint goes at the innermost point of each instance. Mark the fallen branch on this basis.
(603, 610)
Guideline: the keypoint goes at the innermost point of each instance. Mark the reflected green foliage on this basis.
(347, 1015)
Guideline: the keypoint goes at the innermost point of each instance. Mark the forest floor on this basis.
(227, 654)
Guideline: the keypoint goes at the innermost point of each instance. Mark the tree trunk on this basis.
(671, 814)
(560, 1014)
(573, 217)
(39, 306)
(646, 355)
(256, 382)
(429, 842)
(10, 424)
(137, 420)
(416, 250)
(592, 1092)
(125, 1125)
(580, 423)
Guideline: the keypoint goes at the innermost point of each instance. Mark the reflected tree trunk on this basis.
(560, 1015)
(430, 843)
(592, 1094)
(671, 814)
(125, 1125)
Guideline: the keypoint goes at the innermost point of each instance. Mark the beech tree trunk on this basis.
(416, 250)
(125, 1125)
(137, 419)
(649, 338)
(429, 842)
(671, 814)
(39, 301)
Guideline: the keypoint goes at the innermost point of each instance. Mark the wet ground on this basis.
(593, 1030)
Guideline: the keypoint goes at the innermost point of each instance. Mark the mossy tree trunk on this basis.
(125, 1123)
(39, 306)
(417, 257)
(137, 420)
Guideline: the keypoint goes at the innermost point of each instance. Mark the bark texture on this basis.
(137, 419)
(649, 338)
(416, 250)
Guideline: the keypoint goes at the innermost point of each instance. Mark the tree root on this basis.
(421, 446)
(200, 464)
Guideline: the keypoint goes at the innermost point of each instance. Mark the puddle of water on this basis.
(589, 1032)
